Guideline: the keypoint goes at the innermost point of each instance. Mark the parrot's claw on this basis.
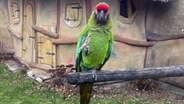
(94, 74)
(87, 50)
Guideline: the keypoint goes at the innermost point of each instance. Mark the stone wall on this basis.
(164, 26)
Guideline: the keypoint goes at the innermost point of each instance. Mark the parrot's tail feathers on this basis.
(85, 93)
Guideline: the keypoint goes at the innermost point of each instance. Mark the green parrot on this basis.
(94, 46)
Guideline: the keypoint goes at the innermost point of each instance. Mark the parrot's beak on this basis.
(101, 17)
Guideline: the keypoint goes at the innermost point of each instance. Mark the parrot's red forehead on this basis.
(102, 6)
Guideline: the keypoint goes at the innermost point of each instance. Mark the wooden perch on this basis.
(126, 74)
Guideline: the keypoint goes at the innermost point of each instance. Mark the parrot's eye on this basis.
(105, 11)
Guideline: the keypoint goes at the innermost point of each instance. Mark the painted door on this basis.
(28, 33)
(46, 50)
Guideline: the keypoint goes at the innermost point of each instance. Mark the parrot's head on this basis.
(102, 13)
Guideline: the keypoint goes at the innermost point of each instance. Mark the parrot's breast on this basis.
(99, 43)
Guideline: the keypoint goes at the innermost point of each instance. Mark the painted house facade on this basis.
(43, 33)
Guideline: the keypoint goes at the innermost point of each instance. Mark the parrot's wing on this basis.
(109, 52)
(78, 52)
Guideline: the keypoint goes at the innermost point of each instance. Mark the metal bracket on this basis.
(40, 57)
(33, 37)
(50, 53)
(77, 7)
(40, 42)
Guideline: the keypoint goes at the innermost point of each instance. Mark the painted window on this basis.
(128, 9)
(73, 14)
(15, 11)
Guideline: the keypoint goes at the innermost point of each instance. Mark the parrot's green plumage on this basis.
(94, 46)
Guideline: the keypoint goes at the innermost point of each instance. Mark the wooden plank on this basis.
(126, 74)
(63, 40)
(44, 31)
(15, 33)
(132, 42)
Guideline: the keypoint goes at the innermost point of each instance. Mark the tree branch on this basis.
(126, 74)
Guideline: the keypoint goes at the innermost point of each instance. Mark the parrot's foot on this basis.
(94, 74)
(85, 45)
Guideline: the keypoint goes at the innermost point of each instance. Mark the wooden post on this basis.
(126, 74)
